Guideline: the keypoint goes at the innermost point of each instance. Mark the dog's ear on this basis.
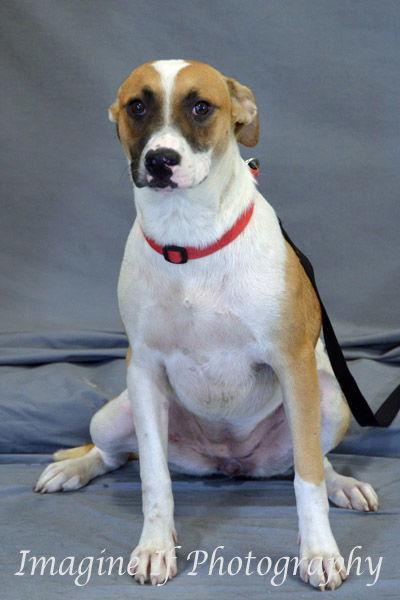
(244, 113)
(113, 112)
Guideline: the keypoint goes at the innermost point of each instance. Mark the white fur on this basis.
(320, 561)
(198, 216)
(168, 70)
(193, 167)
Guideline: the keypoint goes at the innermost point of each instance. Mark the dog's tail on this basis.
(79, 451)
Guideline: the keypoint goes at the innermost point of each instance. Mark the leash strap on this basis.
(356, 401)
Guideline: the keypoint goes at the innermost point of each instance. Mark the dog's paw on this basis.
(154, 563)
(323, 571)
(348, 492)
(66, 475)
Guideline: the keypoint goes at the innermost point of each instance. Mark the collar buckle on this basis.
(175, 254)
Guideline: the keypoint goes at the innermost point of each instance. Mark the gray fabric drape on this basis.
(326, 77)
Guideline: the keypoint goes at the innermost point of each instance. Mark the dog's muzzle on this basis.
(159, 166)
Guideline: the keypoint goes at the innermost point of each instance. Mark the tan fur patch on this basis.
(144, 77)
(301, 324)
(299, 329)
(79, 451)
(128, 355)
(244, 113)
(206, 83)
(76, 452)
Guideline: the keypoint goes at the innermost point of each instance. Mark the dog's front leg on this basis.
(320, 561)
(154, 557)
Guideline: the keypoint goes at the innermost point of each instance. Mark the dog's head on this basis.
(175, 119)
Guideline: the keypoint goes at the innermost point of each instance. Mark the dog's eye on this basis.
(200, 109)
(137, 108)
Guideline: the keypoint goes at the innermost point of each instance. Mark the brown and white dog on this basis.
(227, 373)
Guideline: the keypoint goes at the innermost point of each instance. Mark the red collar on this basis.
(181, 254)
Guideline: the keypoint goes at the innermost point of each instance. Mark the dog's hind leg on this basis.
(348, 492)
(343, 491)
(114, 440)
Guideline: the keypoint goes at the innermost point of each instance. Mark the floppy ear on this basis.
(113, 112)
(244, 113)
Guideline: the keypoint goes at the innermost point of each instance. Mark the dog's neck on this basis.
(201, 215)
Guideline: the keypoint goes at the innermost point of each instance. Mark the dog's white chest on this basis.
(212, 359)
(209, 322)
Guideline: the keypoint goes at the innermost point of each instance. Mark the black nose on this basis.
(158, 162)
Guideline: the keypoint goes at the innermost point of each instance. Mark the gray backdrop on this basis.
(326, 77)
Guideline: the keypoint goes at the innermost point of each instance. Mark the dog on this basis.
(227, 372)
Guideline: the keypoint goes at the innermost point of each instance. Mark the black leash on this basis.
(358, 405)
